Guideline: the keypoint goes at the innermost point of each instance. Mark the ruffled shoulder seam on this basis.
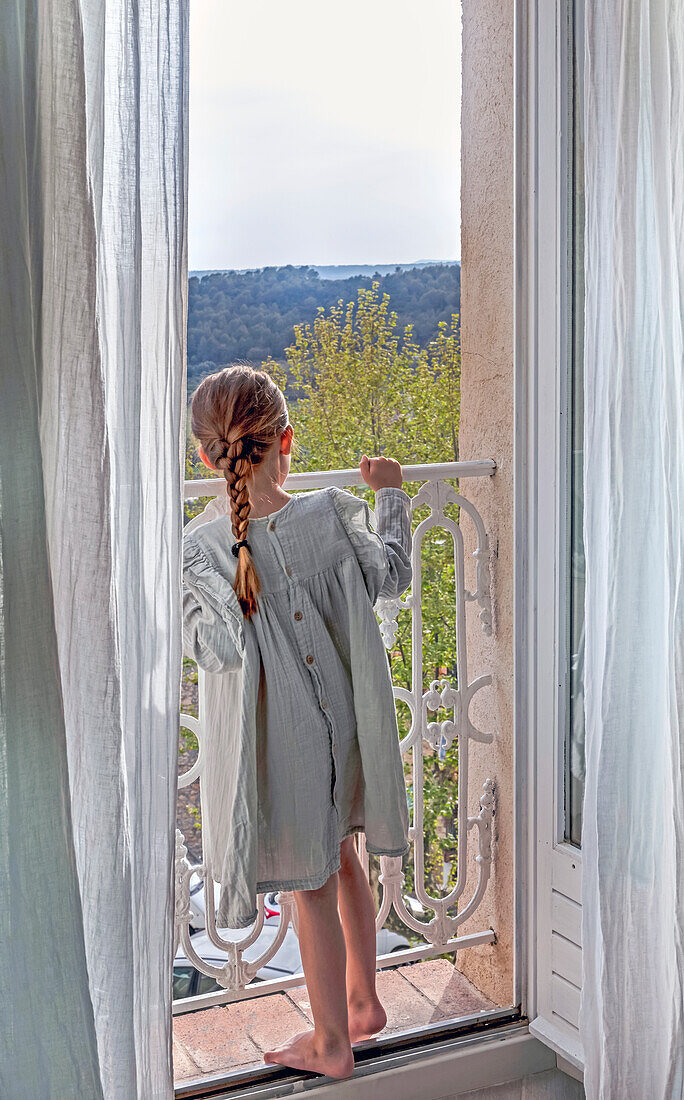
(199, 572)
(344, 501)
(355, 515)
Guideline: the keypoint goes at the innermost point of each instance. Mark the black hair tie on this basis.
(236, 546)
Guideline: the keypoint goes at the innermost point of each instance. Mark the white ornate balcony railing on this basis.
(440, 933)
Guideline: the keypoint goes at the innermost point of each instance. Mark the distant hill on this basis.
(247, 316)
(347, 271)
(338, 271)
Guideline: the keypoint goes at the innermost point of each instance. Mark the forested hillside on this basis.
(249, 316)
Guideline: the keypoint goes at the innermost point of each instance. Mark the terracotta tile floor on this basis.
(235, 1036)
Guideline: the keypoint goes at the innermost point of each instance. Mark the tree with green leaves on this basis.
(250, 315)
(360, 385)
(363, 387)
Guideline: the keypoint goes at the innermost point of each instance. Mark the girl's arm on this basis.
(393, 525)
(213, 624)
(383, 552)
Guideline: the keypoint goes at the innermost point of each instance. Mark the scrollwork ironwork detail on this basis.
(451, 693)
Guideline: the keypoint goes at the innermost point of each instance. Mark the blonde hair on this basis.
(237, 414)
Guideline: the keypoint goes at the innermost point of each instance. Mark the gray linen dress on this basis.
(311, 747)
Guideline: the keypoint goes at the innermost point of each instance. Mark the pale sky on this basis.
(324, 133)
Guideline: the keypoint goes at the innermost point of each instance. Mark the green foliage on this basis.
(188, 741)
(250, 316)
(440, 788)
(358, 382)
(362, 385)
(195, 470)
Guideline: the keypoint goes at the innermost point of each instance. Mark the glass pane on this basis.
(574, 756)
(182, 979)
(207, 985)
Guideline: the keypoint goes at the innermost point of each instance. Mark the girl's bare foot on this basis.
(307, 1051)
(365, 1020)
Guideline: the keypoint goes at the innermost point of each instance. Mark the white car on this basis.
(189, 982)
(272, 909)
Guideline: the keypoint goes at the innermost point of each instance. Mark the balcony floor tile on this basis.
(236, 1035)
(446, 988)
(215, 1039)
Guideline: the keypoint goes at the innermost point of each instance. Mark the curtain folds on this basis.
(632, 1015)
(92, 329)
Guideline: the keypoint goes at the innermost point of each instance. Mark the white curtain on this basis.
(92, 330)
(632, 1015)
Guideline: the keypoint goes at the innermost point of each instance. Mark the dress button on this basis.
(324, 703)
(271, 526)
(309, 659)
(288, 570)
(298, 615)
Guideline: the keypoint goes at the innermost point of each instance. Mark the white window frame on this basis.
(549, 871)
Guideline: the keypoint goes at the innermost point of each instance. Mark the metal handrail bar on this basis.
(321, 479)
(437, 934)
(398, 957)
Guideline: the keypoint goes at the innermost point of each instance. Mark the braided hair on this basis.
(237, 414)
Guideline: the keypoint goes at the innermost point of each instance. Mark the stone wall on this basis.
(487, 343)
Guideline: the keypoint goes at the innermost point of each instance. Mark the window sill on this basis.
(468, 1062)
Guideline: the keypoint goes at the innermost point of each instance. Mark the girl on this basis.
(281, 590)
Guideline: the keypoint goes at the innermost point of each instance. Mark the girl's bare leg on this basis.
(365, 1012)
(327, 1048)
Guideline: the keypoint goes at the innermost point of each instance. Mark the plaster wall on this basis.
(551, 1085)
(486, 431)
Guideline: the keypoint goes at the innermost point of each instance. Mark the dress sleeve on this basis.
(213, 623)
(383, 553)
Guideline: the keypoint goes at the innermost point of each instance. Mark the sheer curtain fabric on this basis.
(632, 1017)
(92, 330)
